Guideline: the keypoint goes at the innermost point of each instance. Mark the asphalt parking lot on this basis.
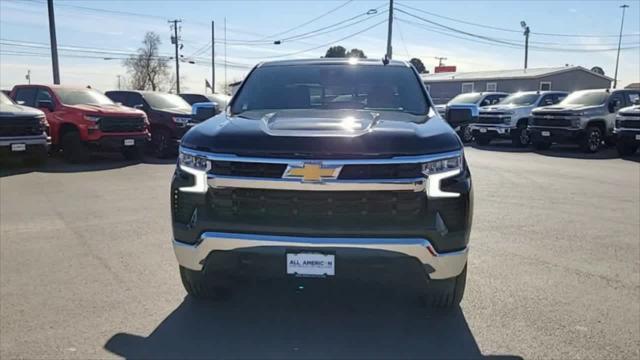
(87, 271)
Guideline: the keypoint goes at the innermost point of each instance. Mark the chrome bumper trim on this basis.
(617, 130)
(499, 129)
(27, 140)
(417, 184)
(444, 265)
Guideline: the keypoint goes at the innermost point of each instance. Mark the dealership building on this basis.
(444, 86)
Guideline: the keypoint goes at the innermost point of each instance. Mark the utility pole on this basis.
(225, 53)
(28, 76)
(390, 30)
(440, 59)
(119, 87)
(615, 77)
(526, 42)
(54, 43)
(213, 57)
(175, 40)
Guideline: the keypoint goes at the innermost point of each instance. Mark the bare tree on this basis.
(147, 69)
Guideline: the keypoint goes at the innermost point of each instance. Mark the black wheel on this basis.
(447, 293)
(465, 134)
(541, 144)
(131, 152)
(592, 140)
(160, 142)
(73, 149)
(483, 139)
(197, 284)
(520, 136)
(626, 149)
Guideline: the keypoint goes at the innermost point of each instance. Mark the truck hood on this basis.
(560, 108)
(322, 134)
(509, 107)
(14, 110)
(106, 110)
(635, 109)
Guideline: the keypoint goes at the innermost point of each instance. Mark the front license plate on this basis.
(483, 130)
(545, 133)
(638, 137)
(18, 147)
(129, 142)
(311, 264)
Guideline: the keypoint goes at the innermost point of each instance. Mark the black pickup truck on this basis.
(23, 131)
(319, 162)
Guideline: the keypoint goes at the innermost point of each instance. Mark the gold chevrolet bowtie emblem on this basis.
(312, 172)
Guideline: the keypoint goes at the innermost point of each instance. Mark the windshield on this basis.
(4, 99)
(339, 86)
(520, 99)
(82, 96)
(166, 101)
(586, 98)
(465, 99)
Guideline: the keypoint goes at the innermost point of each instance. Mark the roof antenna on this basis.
(385, 59)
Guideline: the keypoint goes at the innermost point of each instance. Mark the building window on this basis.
(492, 86)
(545, 85)
(467, 87)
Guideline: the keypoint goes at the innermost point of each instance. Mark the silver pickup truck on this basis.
(627, 130)
(585, 117)
(510, 117)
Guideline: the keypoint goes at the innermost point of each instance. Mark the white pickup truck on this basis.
(510, 117)
(462, 110)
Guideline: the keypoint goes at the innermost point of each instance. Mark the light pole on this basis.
(615, 77)
(526, 42)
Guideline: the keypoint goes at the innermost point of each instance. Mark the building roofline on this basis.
(425, 77)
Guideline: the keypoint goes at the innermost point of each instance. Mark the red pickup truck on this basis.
(83, 119)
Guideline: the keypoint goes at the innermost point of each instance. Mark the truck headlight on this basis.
(92, 118)
(575, 122)
(507, 120)
(181, 121)
(438, 170)
(193, 161)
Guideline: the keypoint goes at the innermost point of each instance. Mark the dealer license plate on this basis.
(129, 142)
(311, 264)
(545, 133)
(18, 147)
(483, 130)
(638, 137)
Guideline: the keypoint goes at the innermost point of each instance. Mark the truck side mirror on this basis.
(45, 104)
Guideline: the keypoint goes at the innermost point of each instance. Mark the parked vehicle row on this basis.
(79, 120)
(542, 118)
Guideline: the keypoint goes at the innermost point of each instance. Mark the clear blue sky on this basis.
(120, 29)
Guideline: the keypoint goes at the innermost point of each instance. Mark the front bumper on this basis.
(627, 135)
(496, 130)
(32, 143)
(437, 265)
(116, 142)
(556, 134)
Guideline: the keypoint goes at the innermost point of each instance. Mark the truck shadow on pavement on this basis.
(559, 150)
(55, 164)
(307, 318)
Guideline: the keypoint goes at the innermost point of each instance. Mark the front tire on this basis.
(626, 149)
(520, 137)
(447, 293)
(592, 140)
(197, 284)
(465, 134)
(73, 149)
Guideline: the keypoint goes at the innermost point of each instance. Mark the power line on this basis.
(511, 30)
(321, 46)
(503, 42)
(308, 22)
